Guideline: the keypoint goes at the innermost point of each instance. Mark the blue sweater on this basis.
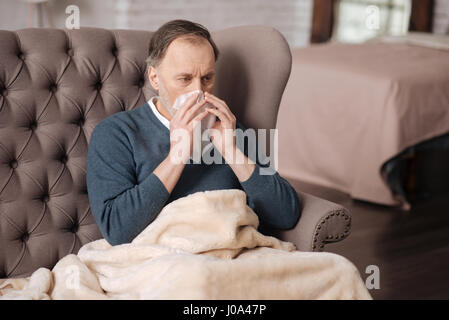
(126, 196)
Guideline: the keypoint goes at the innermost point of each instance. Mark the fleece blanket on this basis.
(202, 246)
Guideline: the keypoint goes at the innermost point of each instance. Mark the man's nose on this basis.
(197, 85)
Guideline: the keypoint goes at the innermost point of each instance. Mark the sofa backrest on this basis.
(56, 85)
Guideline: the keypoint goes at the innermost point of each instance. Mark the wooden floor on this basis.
(411, 248)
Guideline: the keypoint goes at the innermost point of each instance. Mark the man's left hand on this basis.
(223, 136)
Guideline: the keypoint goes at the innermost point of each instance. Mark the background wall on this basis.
(291, 17)
(441, 17)
(95, 13)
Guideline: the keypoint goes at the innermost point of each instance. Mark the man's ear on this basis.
(154, 79)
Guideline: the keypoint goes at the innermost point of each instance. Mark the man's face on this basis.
(185, 67)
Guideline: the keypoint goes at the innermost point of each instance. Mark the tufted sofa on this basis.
(56, 85)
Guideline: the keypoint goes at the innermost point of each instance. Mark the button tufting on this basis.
(3, 92)
(98, 85)
(81, 121)
(33, 125)
(21, 56)
(24, 237)
(74, 228)
(141, 83)
(64, 159)
(52, 88)
(114, 51)
(70, 52)
(45, 198)
(13, 164)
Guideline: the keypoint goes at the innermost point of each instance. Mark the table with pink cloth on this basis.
(349, 108)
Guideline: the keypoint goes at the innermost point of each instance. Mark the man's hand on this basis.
(223, 138)
(181, 142)
(182, 126)
(223, 135)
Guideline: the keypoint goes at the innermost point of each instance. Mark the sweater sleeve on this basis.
(121, 205)
(271, 197)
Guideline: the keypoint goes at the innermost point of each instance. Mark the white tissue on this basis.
(201, 144)
(208, 121)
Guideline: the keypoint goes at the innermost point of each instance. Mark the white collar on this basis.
(158, 115)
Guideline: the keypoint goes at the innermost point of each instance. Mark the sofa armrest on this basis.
(321, 222)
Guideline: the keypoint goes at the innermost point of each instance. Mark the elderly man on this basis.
(131, 174)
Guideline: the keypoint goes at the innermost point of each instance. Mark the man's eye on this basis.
(207, 79)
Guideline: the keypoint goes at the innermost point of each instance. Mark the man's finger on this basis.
(191, 112)
(198, 118)
(211, 97)
(221, 105)
(220, 114)
(187, 104)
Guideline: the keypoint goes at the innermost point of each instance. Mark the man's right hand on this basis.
(181, 142)
(182, 126)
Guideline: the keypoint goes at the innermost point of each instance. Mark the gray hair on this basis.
(171, 30)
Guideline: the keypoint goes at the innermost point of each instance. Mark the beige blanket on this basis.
(203, 246)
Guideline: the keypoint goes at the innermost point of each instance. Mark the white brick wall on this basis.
(441, 17)
(291, 17)
(93, 13)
